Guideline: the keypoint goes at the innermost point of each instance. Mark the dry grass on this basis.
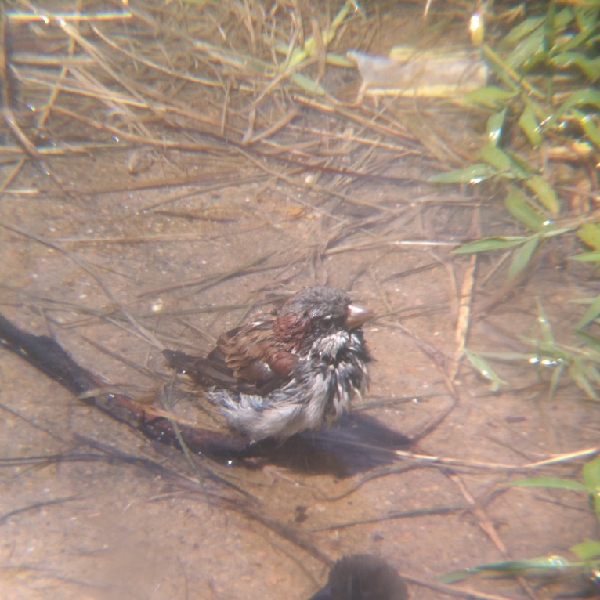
(241, 87)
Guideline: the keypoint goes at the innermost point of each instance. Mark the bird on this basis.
(362, 577)
(287, 372)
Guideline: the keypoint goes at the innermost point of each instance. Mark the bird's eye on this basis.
(327, 322)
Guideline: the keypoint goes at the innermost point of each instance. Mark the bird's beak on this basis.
(357, 315)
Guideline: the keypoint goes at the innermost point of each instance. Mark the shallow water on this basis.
(185, 264)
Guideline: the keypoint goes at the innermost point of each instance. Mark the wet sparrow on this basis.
(287, 372)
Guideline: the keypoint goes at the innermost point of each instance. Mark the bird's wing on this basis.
(245, 360)
(252, 356)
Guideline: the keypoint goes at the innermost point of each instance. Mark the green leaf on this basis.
(592, 342)
(588, 257)
(310, 45)
(550, 26)
(589, 66)
(551, 351)
(512, 356)
(504, 72)
(592, 372)
(545, 327)
(555, 379)
(522, 211)
(490, 96)
(584, 97)
(494, 127)
(339, 60)
(574, 42)
(545, 193)
(307, 84)
(529, 124)
(534, 42)
(589, 126)
(538, 61)
(473, 174)
(589, 234)
(551, 482)
(526, 49)
(544, 563)
(522, 29)
(590, 314)
(578, 374)
(521, 165)
(455, 576)
(586, 16)
(523, 255)
(587, 549)
(587, 22)
(485, 370)
(491, 243)
(501, 161)
(591, 475)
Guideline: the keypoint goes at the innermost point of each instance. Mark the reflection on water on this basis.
(362, 577)
(354, 444)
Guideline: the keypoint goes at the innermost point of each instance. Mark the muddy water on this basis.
(128, 530)
(112, 514)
